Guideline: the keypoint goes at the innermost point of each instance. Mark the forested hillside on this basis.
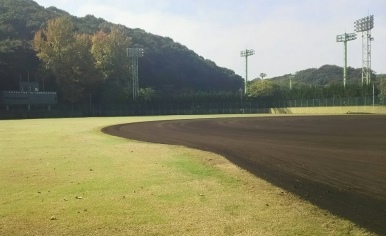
(168, 68)
(84, 59)
(323, 82)
(325, 75)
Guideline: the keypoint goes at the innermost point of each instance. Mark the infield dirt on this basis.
(335, 162)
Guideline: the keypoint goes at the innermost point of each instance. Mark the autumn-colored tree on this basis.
(109, 51)
(261, 88)
(68, 56)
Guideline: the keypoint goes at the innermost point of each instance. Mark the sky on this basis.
(286, 35)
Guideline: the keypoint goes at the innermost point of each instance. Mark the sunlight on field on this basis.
(63, 176)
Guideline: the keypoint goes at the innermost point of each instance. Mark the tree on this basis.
(17, 59)
(382, 84)
(146, 94)
(84, 70)
(68, 56)
(111, 60)
(109, 51)
(261, 88)
(53, 44)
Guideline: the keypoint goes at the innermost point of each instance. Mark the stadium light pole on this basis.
(246, 54)
(134, 54)
(345, 38)
(365, 25)
(290, 80)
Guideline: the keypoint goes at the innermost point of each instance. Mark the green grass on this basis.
(65, 177)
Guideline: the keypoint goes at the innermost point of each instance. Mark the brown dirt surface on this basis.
(335, 162)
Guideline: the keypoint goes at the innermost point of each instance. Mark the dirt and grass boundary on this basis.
(65, 177)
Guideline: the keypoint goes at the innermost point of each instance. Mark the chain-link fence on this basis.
(177, 108)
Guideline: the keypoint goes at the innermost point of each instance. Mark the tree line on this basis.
(271, 89)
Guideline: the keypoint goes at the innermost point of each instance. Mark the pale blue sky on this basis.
(287, 35)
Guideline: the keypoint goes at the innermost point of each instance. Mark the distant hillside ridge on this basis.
(323, 76)
(167, 66)
(168, 70)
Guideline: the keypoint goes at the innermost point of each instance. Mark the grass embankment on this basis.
(65, 177)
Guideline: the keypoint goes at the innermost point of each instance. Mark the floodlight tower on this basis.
(134, 54)
(291, 76)
(246, 54)
(365, 25)
(344, 38)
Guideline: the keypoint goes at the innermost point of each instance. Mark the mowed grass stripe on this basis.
(65, 177)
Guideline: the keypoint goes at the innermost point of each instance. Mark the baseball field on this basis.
(256, 175)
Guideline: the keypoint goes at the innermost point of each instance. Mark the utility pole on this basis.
(134, 54)
(246, 54)
(344, 38)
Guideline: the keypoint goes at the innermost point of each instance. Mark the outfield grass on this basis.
(65, 177)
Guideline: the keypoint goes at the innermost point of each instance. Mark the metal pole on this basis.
(134, 64)
(246, 74)
(365, 25)
(344, 38)
(246, 54)
(369, 38)
(373, 95)
(345, 64)
(363, 58)
(134, 54)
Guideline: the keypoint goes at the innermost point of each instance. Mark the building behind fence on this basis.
(21, 111)
(27, 96)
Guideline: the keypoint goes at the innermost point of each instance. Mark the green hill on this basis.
(170, 70)
(323, 76)
(168, 67)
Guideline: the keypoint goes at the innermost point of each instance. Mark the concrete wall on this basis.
(330, 110)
